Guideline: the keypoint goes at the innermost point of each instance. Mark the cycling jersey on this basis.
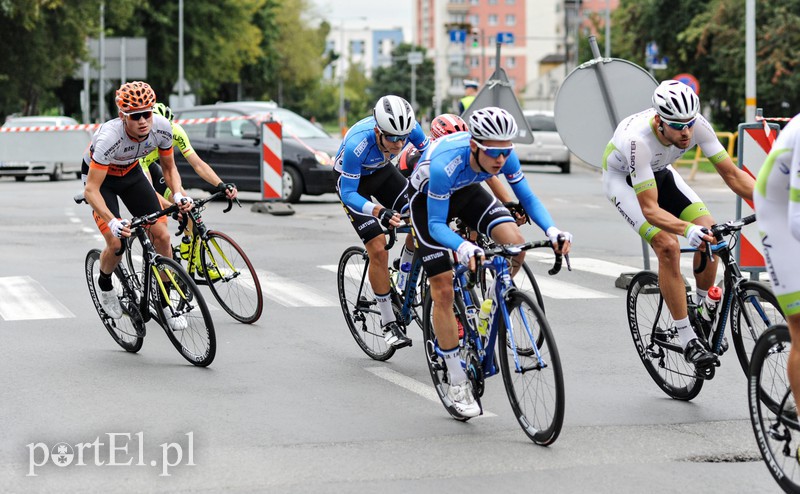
(408, 160)
(113, 149)
(777, 203)
(359, 155)
(444, 168)
(636, 151)
(179, 139)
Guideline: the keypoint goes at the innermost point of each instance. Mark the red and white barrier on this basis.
(271, 161)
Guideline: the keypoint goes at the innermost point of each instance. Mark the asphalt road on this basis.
(292, 405)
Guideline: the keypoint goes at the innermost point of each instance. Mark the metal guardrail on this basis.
(731, 137)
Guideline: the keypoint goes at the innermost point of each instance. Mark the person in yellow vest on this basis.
(470, 90)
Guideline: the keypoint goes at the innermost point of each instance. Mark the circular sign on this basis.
(690, 81)
(586, 118)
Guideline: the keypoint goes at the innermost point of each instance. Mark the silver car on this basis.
(55, 170)
(547, 147)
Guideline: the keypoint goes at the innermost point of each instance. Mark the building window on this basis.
(511, 20)
(475, 2)
(474, 61)
(492, 2)
(474, 19)
(493, 19)
(511, 62)
(510, 2)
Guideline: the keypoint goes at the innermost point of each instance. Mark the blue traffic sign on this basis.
(458, 35)
(506, 37)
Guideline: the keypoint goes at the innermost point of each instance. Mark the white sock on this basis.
(685, 331)
(406, 255)
(452, 358)
(385, 306)
(699, 296)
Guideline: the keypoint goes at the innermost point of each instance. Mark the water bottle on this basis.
(185, 247)
(402, 276)
(710, 303)
(483, 317)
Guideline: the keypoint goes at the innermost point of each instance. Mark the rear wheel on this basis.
(127, 331)
(358, 303)
(292, 184)
(773, 412)
(231, 277)
(197, 342)
(58, 172)
(534, 383)
(19, 178)
(656, 339)
(753, 310)
(564, 167)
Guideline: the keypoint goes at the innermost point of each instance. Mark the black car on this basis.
(233, 147)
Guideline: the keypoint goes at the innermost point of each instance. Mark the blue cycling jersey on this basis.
(359, 155)
(444, 168)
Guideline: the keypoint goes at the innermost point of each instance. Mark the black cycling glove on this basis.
(385, 216)
(223, 187)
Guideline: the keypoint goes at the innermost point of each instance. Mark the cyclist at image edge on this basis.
(151, 165)
(639, 179)
(777, 204)
(111, 170)
(446, 124)
(361, 162)
(446, 184)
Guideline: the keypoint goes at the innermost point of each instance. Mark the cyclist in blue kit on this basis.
(447, 184)
(365, 170)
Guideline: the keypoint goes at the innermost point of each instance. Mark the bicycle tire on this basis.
(762, 311)
(673, 375)
(128, 331)
(231, 277)
(436, 365)
(536, 393)
(197, 343)
(133, 259)
(362, 316)
(773, 432)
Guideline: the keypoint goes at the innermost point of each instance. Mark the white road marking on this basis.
(290, 293)
(426, 391)
(23, 298)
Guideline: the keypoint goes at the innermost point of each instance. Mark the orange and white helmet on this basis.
(447, 123)
(135, 96)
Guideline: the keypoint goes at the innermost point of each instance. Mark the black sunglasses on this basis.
(139, 115)
(392, 138)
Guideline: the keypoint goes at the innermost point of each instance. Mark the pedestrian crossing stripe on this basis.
(24, 299)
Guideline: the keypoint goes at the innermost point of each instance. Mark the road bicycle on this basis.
(214, 259)
(520, 334)
(773, 412)
(750, 305)
(359, 306)
(164, 286)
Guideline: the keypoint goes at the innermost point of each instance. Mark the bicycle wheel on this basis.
(656, 339)
(359, 306)
(534, 385)
(127, 331)
(197, 342)
(524, 280)
(231, 278)
(436, 364)
(772, 427)
(753, 310)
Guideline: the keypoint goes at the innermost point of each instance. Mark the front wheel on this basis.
(773, 412)
(197, 341)
(533, 379)
(753, 310)
(358, 303)
(231, 277)
(127, 331)
(656, 339)
(292, 184)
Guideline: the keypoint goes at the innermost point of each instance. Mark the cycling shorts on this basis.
(780, 252)
(674, 196)
(473, 205)
(136, 193)
(389, 188)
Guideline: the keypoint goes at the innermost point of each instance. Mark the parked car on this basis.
(55, 170)
(233, 148)
(547, 147)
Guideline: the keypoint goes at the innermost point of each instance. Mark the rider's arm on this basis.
(418, 138)
(738, 180)
(351, 177)
(533, 206)
(499, 190)
(167, 159)
(95, 178)
(438, 206)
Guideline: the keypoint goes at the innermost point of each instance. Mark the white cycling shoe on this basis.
(175, 322)
(110, 304)
(463, 400)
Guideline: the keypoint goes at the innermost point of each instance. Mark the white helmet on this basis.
(675, 100)
(394, 115)
(492, 124)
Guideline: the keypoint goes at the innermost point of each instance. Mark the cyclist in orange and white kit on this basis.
(777, 202)
(111, 170)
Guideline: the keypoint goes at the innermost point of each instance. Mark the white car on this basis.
(55, 170)
(547, 147)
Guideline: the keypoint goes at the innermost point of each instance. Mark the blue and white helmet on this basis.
(675, 100)
(394, 115)
(492, 124)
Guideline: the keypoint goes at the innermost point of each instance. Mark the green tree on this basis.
(396, 78)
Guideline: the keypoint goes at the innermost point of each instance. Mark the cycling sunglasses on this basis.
(494, 152)
(139, 115)
(393, 138)
(679, 125)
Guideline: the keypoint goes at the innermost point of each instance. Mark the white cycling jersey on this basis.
(636, 151)
(777, 201)
(112, 148)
